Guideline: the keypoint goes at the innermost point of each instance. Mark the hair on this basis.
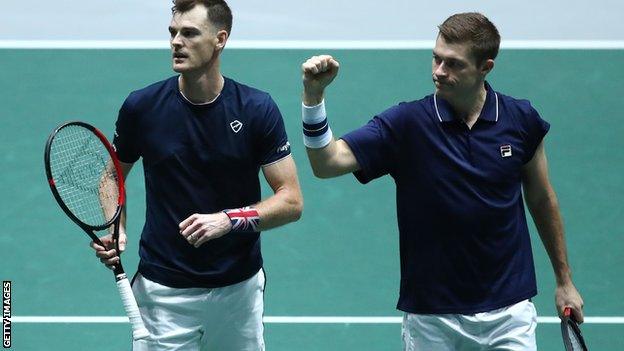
(473, 28)
(219, 13)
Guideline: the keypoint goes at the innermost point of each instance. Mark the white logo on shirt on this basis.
(505, 150)
(236, 126)
(283, 148)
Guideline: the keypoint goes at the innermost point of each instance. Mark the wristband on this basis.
(316, 131)
(244, 219)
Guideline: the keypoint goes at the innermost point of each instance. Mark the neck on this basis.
(202, 87)
(470, 104)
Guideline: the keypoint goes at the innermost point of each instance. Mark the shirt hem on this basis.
(362, 175)
(276, 161)
(468, 310)
(180, 280)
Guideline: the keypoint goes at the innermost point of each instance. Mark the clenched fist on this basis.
(318, 73)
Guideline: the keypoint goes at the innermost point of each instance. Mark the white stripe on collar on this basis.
(435, 103)
(201, 103)
(496, 96)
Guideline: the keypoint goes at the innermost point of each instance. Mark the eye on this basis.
(189, 33)
(437, 59)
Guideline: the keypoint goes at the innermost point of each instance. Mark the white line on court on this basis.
(308, 44)
(284, 319)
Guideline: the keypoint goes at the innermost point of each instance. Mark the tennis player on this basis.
(203, 139)
(461, 159)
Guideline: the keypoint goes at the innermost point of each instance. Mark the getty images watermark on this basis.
(6, 314)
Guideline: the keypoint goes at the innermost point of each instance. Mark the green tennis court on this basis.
(341, 259)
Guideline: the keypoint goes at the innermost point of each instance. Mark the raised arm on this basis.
(328, 157)
(544, 207)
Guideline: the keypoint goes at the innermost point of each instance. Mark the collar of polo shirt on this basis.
(489, 113)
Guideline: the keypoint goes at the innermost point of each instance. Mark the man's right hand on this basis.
(318, 73)
(108, 255)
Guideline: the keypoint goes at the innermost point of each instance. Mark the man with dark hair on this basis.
(203, 139)
(460, 159)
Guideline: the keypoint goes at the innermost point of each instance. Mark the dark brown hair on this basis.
(219, 13)
(473, 28)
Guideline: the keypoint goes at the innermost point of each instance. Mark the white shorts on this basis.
(222, 319)
(511, 328)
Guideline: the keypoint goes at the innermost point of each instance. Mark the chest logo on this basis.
(236, 126)
(505, 150)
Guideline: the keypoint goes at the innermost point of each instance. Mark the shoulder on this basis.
(408, 111)
(251, 104)
(519, 108)
(247, 95)
(147, 96)
(523, 115)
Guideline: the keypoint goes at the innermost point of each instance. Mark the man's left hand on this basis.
(566, 295)
(199, 228)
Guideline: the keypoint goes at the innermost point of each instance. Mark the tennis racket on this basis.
(86, 180)
(572, 337)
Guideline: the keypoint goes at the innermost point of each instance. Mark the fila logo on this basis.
(236, 126)
(505, 150)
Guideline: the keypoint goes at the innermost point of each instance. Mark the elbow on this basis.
(297, 209)
(318, 173)
(322, 173)
(292, 206)
(537, 202)
(321, 170)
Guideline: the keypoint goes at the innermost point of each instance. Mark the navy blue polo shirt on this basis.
(464, 241)
(199, 159)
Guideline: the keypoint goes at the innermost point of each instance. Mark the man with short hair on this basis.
(460, 159)
(203, 138)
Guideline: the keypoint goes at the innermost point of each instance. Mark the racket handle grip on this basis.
(132, 310)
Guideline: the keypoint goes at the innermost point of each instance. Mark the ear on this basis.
(221, 37)
(487, 67)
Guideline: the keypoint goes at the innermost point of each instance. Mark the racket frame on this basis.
(120, 275)
(89, 229)
(568, 320)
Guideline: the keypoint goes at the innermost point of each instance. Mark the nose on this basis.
(176, 41)
(439, 70)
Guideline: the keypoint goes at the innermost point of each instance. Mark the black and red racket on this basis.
(86, 180)
(572, 337)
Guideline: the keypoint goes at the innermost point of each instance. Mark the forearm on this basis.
(312, 97)
(318, 138)
(125, 169)
(284, 206)
(547, 218)
(122, 220)
(328, 157)
(281, 208)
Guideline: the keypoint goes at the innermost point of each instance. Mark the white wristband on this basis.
(313, 114)
(316, 131)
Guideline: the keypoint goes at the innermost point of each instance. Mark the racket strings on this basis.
(84, 175)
